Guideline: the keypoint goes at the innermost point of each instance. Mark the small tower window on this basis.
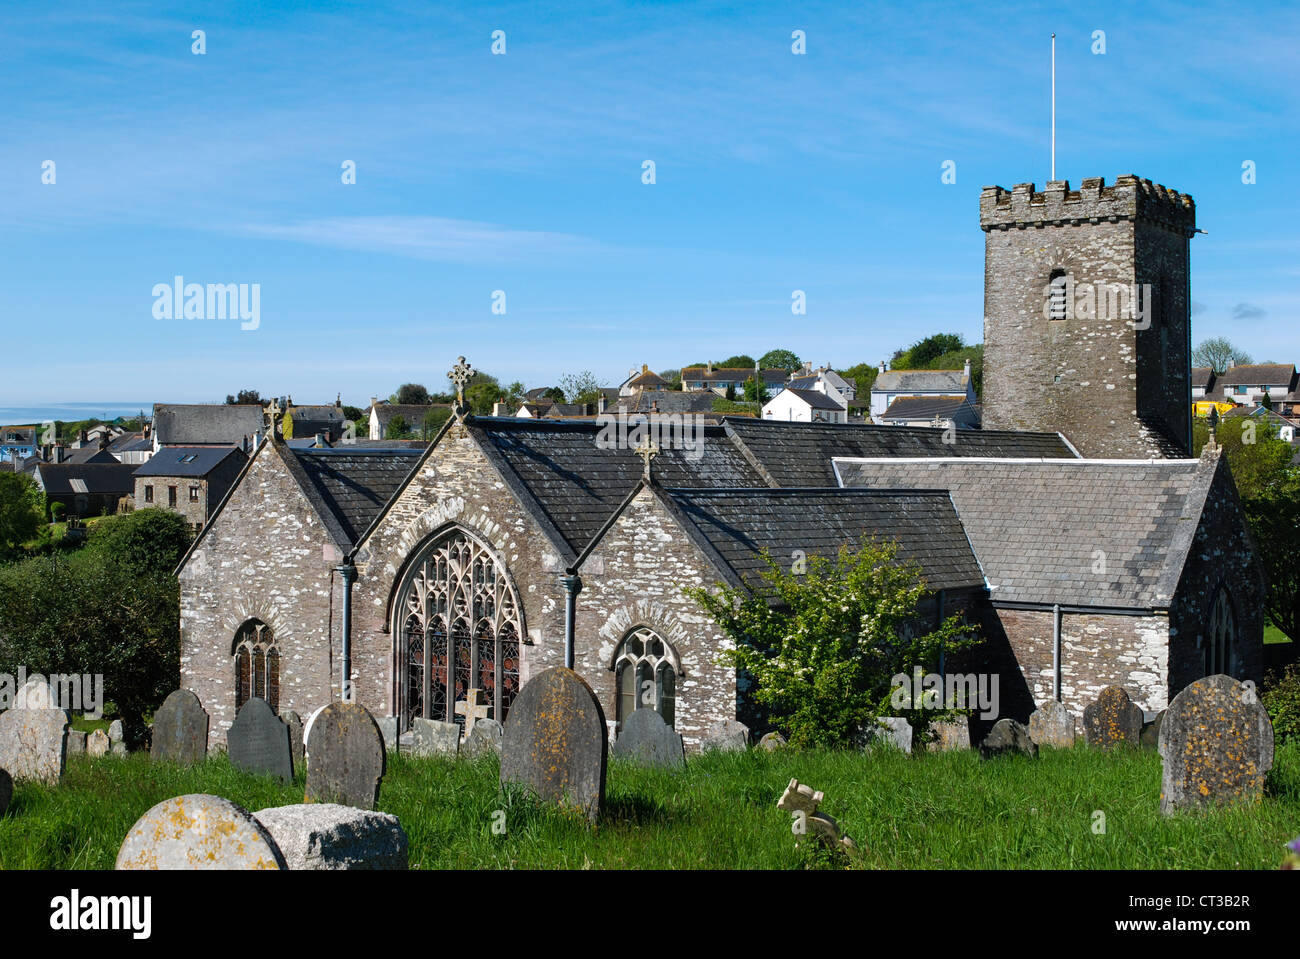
(1057, 296)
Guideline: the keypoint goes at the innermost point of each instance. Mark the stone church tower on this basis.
(1087, 315)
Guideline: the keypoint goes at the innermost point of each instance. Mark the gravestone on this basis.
(198, 832)
(1112, 720)
(76, 742)
(258, 742)
(35, 694)
(345, 756)
(34, 743)
(429, 737)
(6, 791)
(1150, 737)
(388, 729)
(474, 709)
(180, 729)
(328, 836)
(950, 734)
(555, 741)
(1216, 743)
(117, 737)
(1006, 737)
(727, 736)
(486, 736)
(97, 744)
(892, 731)
(1052, 725)
(648, 740)
(771, 741)
(801, 802)
(294, 722)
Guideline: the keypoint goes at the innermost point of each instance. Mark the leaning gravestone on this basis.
(294, 722)
(345, 756)
(1151, 730)
(34, 743)
(198, 832)
(486, 736)
(555, 741)
(430, 737)
(728, 736)
(180, 729)
(6, 791)
(1112, 720)
(258, 742)
(97, 744)
(328, 836)
(1052, 725)
(1216, 743)
(1007, 736)
(648, 740)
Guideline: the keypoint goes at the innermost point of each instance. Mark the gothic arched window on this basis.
(459, 629)
(645, 674)
(1221, 640)
(257, 665)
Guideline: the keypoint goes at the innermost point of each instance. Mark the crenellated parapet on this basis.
(1129, 198)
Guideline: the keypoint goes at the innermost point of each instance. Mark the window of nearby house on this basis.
(194, 494)
(189, 458)
(148, 494)
(171, 496)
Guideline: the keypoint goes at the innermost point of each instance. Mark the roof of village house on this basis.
(349, 486)
(20, 435)
(91, 453)
(192, 461)
(67, 479)
(924, 381)
(208, 424)
(816, 400)
(734, 526)
(1202, 376)
(799, 454)
(729, 374)
(647, 379)
(412, 413)
(1259, 374)
(1141, 515)
(668, 401)
(315, 419)
(925, 407)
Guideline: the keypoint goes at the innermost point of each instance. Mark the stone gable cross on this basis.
(647, 451)
(461, 374)
(274, 412)
(472, 706)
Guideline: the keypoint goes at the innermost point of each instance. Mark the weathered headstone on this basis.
(34, 743)
(1150, 737)
(258, 742)
(198, 831)
(294, 722)
(388, 729)
(97, 744)
(116, 731)
(76, 742)
(1112, 720)
(345, 757)
(647, 739)
(1216, 743)
(429, 737)
(180, 729)
(950, 734)
(486, 736)
(1007, 736)
(36, 693)
(728, 736)
(801, 803)
(6, 791)
(330, 836)
(771, 741)
(555, 741)
(1052, 725)
(892, 731)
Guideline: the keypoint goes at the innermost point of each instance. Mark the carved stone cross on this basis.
(460, 375)
(274, 412)
(472, 708)
(647, 451)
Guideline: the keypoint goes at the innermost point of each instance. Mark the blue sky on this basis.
(523, 173)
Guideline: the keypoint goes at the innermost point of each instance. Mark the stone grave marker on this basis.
(728, 736)
(258, 742)
(345, 756)
(1052, 725)
(388, 729)
(180, 729)
(97, 744)
(294, 722)
(429, 737)
(1216, 743)
(950, 734)
(648, 740)
(892, 731)
(771, 741)
(328, 836)
(1112, 720)
(76, 742)
(117, 738)
(555, 741)
(474, 709)
(6, 791)
(34, 743)
(1151, 730)
(487, 736)
(198, 831)
(1008, 736)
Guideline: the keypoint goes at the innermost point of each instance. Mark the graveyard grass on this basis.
(935, 811)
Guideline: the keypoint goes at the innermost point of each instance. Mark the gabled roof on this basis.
(1259, 374)
(669, 401)
(210, 424)
(729, 374)
(66, 479)
(191, 461)
(1202, 376)
(799, 454)
(17, 435)
(814, 399)
(921, 381)
(413, 414)
(1098, 533)
(647, 380)
(350, 486)
(926, 407)
(734, 526)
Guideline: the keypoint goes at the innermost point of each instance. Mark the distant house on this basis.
(190, 480)
(941, 411)
(1248, 385)
(85, 489)
(382, 414)
(666, 401)
(311, 421)
(794, 405)
(825, 380)
(210, 424)
(17, 442)
(642, 379)
(890, 385)
(720, 378)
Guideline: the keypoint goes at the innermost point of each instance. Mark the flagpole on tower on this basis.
(1053, 106)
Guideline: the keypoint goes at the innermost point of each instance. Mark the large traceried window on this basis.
(646, 675)
(1221, 638)
(257, 665)
(459, 629)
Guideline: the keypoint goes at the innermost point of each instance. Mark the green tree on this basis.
(742, 361)
(144, 541)
(1218, 354)
(756, 390)
(864, 375)
(249, 397)
(779, 360)
(397, 428)
(823, 645)
(410, 394)
(581, 387)
(1259, 459)
(672, 377)
(731, 392)
(555, 394)
(433, 421)
(1274, 519)
(22, 510)
(920, 354)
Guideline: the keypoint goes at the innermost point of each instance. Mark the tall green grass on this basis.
(934, 811)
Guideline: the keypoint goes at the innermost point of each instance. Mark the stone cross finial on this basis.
(274, 412)
(461, 374)
(647, 451)
(472, 707)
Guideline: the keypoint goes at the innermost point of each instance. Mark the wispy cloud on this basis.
(1248, 311)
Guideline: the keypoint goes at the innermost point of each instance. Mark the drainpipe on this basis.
(938, 621)
(572, 583)
(348, 573)
(1056, 652)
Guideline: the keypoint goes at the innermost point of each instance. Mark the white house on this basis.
(891, 385)
(804, 406)
(825, 380)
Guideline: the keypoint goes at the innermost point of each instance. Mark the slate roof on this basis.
(350, 486)
(647, 380)
(1037, 526)
(799, 454)
(729, 374)
(1202, 376)
(207, 424)
(733, 526)
(925, 407)
(17, 435)
(922, 381)
(111, 479)
(91, 453)
(573, 486)
(170, 460)
(816, 400)
(669, 401)
(315, 419)
(1259, 374)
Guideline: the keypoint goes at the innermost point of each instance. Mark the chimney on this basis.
(103, 440)
(645, 368)
(807, 367)
(374, 401)
(322, 441)
(883, 368)
(499, 408)
(654, 406)
(709, 367)
(966, 371)
(600, 403)
(338, 401)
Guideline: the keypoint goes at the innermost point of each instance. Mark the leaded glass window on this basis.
(646, 675)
